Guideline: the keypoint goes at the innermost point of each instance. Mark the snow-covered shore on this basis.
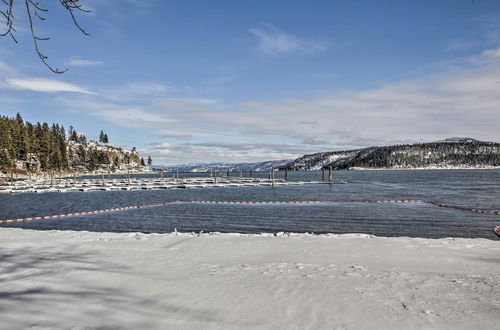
(85, 280)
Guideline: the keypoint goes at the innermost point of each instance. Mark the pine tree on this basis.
(101, 137)
(6, 150)
(105, 138)
(43, 145)
(19, 137)
(150, 161)
(82, 139)
(142, 162)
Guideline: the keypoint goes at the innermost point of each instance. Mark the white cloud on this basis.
(76, 61)
(183, 154)
(464, 101)
(6, 69)
(45, 85)
(274, 41)
(176, 135)
(487, 56)
(459, 102)
(313, 140)
(123, 115)
(492, 53)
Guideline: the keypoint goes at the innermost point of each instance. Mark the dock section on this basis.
(69, 185)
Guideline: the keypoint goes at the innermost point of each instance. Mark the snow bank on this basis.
(81, 280)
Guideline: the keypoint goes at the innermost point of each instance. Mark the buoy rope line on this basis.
(495, 230)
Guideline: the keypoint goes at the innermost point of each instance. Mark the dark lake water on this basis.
(467, 188)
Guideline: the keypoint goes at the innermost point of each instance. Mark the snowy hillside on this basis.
(449, 153)
(92, 155)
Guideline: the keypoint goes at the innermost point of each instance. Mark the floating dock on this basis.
(106, 184)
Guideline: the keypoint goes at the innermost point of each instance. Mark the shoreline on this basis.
(277, 235)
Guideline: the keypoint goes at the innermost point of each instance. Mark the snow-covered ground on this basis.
(84, 280)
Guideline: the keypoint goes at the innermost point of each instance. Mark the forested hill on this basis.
(26, 146)
(449, 153)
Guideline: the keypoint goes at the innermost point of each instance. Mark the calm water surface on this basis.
(468, 188)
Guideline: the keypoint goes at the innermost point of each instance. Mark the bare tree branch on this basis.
(34, 10)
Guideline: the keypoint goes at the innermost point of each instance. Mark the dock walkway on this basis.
(68, 185)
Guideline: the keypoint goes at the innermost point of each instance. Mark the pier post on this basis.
(52, 178)
(177, 175)
(272, 175)
(322, 174)
(251, 173)
(128, 177)
(241, 174)
(103, 178)
(228, 174)
(74, 176)
(286, 173)
(330, 174)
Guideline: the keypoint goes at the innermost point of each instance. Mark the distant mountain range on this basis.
(259, 166)
(453, 152)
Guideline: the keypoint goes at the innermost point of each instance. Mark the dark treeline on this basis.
(41, 146)
(438, 154)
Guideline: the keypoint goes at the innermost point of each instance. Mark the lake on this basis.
(467, 188)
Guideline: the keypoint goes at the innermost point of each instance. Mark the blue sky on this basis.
(205, 81)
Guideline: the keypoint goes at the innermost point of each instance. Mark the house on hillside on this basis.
(31, 163)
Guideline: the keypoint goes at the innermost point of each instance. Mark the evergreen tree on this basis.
(6, 149)
(82, 139)
(101, 137)
(150, 161)
(48, 145)
(142, 162)
(72, 134)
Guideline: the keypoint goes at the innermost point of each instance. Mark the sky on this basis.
(189, 81)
